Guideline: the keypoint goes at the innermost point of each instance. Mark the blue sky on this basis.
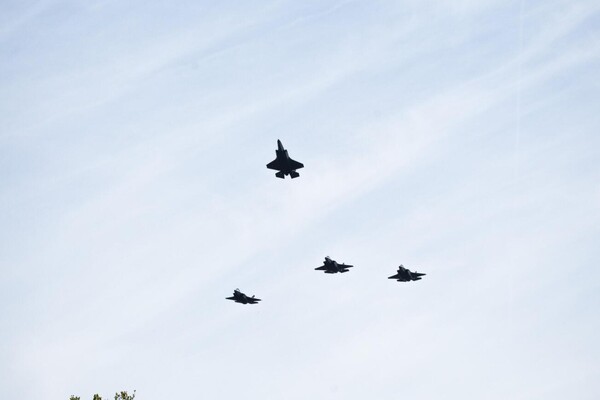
(460, 139)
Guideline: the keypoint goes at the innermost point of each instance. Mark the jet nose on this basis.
(279, 145)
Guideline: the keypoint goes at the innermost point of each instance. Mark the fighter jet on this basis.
(405, 275)
(332, 267)
(284, 164)
(240, 297)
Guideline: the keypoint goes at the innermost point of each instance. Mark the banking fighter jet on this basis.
(240, 297)
(333, 267)
(405, 275)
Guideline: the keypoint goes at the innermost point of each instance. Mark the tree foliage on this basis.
(124, 396)
(118, 396)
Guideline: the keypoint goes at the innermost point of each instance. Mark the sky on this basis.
(461, 139)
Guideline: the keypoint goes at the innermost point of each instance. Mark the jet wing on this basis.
(275, 164)
(294, 164)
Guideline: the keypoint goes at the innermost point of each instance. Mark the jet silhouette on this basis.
(332, 267)
(284, 164)
(405, 275)
(240, 297)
